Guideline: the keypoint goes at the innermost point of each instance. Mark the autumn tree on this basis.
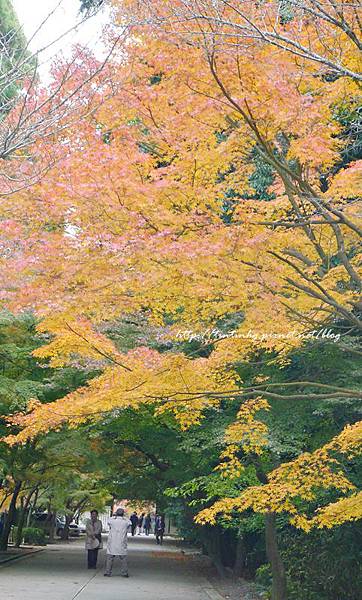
(41, 468)
(33, 112)
(310, 30)
(154, 213)
(12, 41)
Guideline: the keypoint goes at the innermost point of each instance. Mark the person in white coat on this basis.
(119, 525)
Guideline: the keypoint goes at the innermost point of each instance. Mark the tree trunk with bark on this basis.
(65, 530)
(22, 518)
(279, 586)
(52, 527)
(240, 558)
(32, 507)
(20, 525)
(9, 519)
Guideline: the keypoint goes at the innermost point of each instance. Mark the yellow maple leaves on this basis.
(170, 382)
(71, 339)
(336, 513)
(300, 481)
(244, 433)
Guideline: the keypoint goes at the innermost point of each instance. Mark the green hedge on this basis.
(33, 535)
(324, 564)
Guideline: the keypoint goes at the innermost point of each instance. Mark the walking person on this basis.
(134, 522)
(159, 528)
(140, 523)
(147, 525)
(118, 525)
(93, 540)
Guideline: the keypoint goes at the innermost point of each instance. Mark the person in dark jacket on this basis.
(159, 528)
(134, 521)
(147, 525)
(140, 523)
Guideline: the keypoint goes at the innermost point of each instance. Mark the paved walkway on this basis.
(59, 573)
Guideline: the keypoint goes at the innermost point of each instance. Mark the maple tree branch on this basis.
(260, 387)
(350, 349)
(328, 300)
(253, 28)
(185, 397)
(345, 220)
(156, 462)
(98, 350)
(322, 294)
(340, 241)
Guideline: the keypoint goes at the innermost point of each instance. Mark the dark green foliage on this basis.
(13, 50)
(87, 6)
(261, 179)
(286, 11)
(33, 535)
(324, 565)
(349, 116)
(229, 203)
(295, 427)
(51, 461)
(22, 377)
(156, 78)
(263, 576)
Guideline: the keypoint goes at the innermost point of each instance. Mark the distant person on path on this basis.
(140, 523)
(93, 540)
(134, 522)
(147, 525)
(159, 528)
(118, 525)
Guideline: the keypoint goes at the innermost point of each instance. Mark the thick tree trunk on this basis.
(279, 586)
(240, 557)
(65, 531)
(52, 524)
(9, 519)
(21, 522)
(32, 508)
(20, 526)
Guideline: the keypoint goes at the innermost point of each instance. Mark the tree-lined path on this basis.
(59, 573)
(181, 293)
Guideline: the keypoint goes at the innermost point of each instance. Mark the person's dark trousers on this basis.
(92, 558)
(133, 529)
(159, 537)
